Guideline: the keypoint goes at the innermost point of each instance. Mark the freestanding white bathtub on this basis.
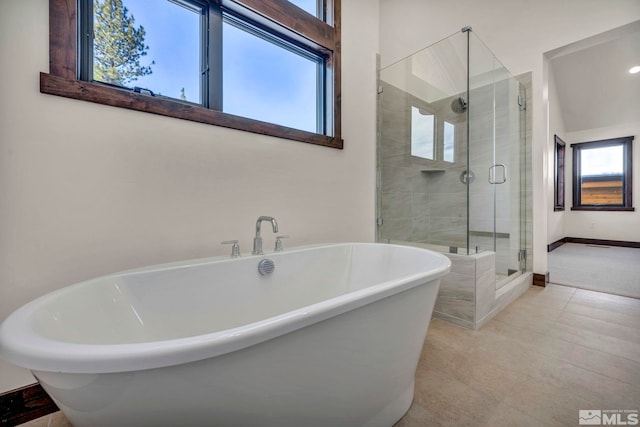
(331, 338)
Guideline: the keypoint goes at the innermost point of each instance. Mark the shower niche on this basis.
(453, 165)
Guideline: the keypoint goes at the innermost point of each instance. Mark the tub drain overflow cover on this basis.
(266, 266)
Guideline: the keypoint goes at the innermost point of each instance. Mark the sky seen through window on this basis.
(261, 80)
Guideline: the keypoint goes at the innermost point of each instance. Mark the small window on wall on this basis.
(602, 175)
(422, 134)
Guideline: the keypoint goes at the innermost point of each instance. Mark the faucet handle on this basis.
(279, 243)
(235, 249)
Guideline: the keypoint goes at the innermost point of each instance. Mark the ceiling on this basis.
(592, 80)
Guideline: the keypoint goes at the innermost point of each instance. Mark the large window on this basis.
(602, 175)
(264, 66)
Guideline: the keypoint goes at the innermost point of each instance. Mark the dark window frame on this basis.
(63, 77)
(627, 177)
(559, 175)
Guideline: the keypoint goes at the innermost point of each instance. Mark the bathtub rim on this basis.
(22, 346)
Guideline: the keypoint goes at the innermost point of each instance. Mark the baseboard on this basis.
(603, 242)
(556, 244)
(25, 404)
(585, 241)
(540, 279)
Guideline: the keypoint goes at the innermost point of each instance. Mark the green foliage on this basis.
(118, 45)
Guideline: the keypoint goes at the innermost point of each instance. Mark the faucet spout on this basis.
(257, 241)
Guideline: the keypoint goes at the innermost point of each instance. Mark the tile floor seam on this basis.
(599, 351)
(616, 325)
(564, 307)
(594, 348)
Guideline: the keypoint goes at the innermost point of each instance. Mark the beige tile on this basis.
(533, 318)
(523, 335)
(537, 363)
(601, 327)
(440, 355)
(626, 305)
(417, 416)
(541, 400)
(610, 315)
(450, 401)
(552, 296)
(507, 416)
(38, 422)
(600, 390)
(509, 354)
(597, 341)
(469, 368)
(59, 420)
(457, 337)
(594, 360)
(487, 377)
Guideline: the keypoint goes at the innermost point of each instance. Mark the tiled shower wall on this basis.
(421, 200)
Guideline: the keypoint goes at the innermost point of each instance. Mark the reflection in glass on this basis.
(422, 133)
(449, 142)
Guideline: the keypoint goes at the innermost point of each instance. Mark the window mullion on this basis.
(212, 45)
(321, 96)
(85, 41)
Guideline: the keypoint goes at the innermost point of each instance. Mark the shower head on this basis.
(459, 105)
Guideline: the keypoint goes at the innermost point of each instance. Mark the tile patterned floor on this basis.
(552, 352)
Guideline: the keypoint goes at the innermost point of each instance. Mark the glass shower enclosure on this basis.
(452, 154)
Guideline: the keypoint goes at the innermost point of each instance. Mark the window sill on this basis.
(100, 94)
(602, 208)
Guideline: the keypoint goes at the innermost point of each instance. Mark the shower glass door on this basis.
(494, 157)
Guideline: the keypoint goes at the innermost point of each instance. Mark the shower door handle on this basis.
(492, 174)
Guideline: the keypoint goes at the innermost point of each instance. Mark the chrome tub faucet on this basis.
(257, 241)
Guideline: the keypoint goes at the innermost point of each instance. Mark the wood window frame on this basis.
(627, 178)
(558, 174)
(63, 79)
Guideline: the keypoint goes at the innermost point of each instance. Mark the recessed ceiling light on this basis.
(634, 70)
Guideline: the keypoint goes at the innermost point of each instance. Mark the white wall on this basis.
(88, 189)
(623, 226)
(556, 220)
(518, 33)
